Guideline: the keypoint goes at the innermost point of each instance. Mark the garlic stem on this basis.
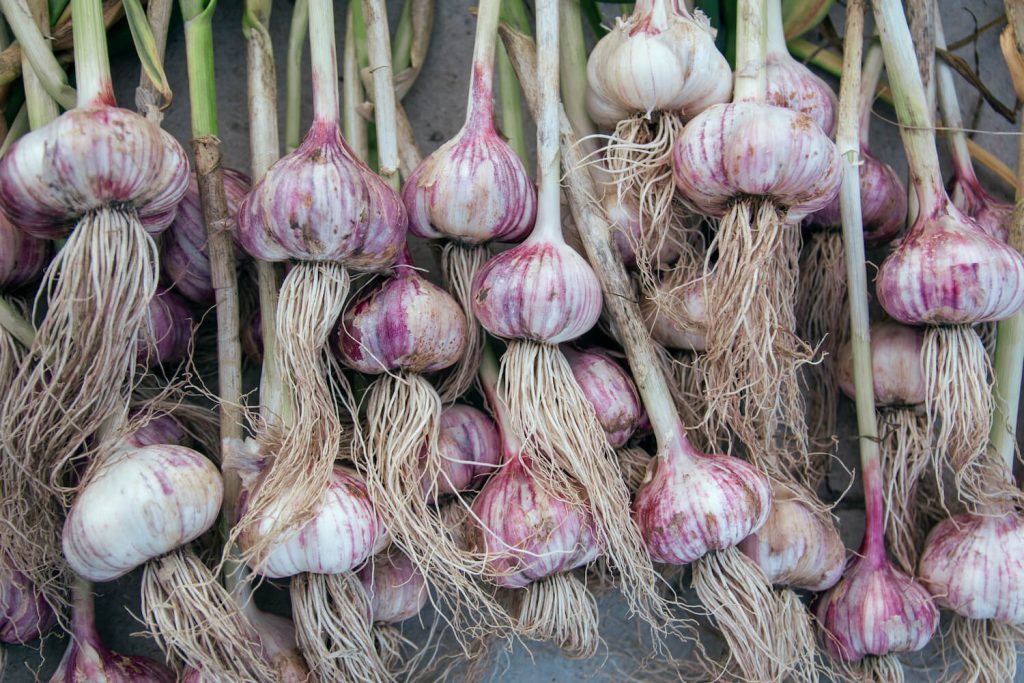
(41, 107)
(847, 140)
(549, 211)
(573, 67)
(92, 67)
(325, 63)
(352, 89)
(293, 78)
(949, 107)
(16, 324)
(147, 95)
(480, 107)
(512, 119)
(384, 109)
(871, 73)
(776, 42)
(35, 49)
(489, 371)
(401, 48)
(911, 104)
(750, 81)
(83, 611)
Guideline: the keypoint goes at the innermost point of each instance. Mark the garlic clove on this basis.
(974, 565)
(470, 450)
(407, 323)
(140, 504)
(397, 591)
(896, 361)
(609, 389)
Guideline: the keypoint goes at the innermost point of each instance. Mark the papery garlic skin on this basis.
(540, 290)
(170, 329)
(693, 503)
(397, 591)
(897, 374)
(160, 429)
(752, 149)
(948, 271)
(526, 534)
(876, 610)
(321, 203)
(22, 256)
(689, 305)
(991, 215)
(974, 565)
(90, 661)
(405, 324)
(184, 258)
(610, 391)
(342, 535)
(140, 504)
(24, 613)
(659, 59)
(89, 158)
(795, 547)
(793, 86)
(469, 450)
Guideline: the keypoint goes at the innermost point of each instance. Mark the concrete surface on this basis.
(436, 107)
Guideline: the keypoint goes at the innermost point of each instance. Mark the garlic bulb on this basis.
(406, 324)
(183, 255)
(948, 270)
(752, 149)
(682, 327)
(991, 215)
(610, 390)
(693, 503)
(469, 449)
(159, 429)
(170, 329)
(321, 203)
(974, 565)
(344, 532)
(527, 534)
(876, 610)
(660, 58)
(22, 256)
(896, 361)
(138, 505)
(24, 612)
(541, 290)
(397, 591)
(796, 547)
(791, 84)
(88, 158)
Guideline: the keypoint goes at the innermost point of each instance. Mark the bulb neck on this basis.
(324, 57)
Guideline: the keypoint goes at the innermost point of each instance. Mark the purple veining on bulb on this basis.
(793, 86)
(991, 215)
(22, 256)
(24, 613)
(169, 331)
(609, 389)
(397, 591)
(469, 448)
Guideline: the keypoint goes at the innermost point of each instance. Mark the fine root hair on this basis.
(301, 451)
(905, 455)
(795, 630)
(558, 609)
(194, 620)
(986, 650)
(871, 669)
(566, 442)
(459, 265)
(633, 463)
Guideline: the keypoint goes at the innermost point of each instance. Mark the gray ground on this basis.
(436, 107)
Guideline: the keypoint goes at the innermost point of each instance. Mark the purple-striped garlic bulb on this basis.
(407, 323)
(896, 365)
(396, 590)
(791, 84)
(797, 547)
(469, 448)
(24, 612)
(610, 390)
(159, 429)
(991, 215)
(659, 59)
(88, 659)
(875, 610)
(343, 533)
(692, 503)
(169, 330)
(183, 253)
(22, 256)
(139, 504)
(974, 565)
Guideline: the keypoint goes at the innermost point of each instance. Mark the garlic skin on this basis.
(896, 359)
(883, 201)
(344, 533)
(472, 189)
(540, 290)
(693, 503)
(991, 215)
(948, 271)
(751, 149)
(469, 448)
(793, 86)
(140, 504)
(160, 429)
(609, 389)
(796, 547)
(689, 304)
(527, 535)
(397, 591)
(88, 660)
(405, 324)
(974, 565)
(183, 253)
(320, 203)
(660, 58)
(875, 610)
(170, 329)
(22, 256)
(89, 158)
(24, 613)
